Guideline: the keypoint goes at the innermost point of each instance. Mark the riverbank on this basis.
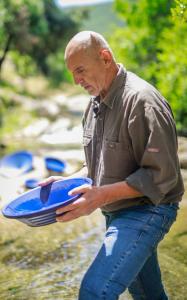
(49, 262)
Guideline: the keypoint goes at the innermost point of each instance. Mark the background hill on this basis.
(102, 18)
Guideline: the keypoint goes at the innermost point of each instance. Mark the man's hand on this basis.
(90, 200)
(92, 197)
(50, 180)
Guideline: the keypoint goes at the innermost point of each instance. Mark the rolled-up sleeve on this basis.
(154, 143)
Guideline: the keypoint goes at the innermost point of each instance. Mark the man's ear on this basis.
(105, 56)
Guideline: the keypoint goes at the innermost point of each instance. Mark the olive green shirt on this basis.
(130, 135)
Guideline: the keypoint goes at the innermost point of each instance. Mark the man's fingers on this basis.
(68, 216)
(64, 209)
(80, 189)
(49, 180)
(69, 207)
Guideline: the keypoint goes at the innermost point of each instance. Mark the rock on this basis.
(184, 175)
(77, 104)
(63, 137)
(182, 141)
(59, 99)
(46, 108)
(59, 125)
(183, 160)
(36, 128)
(49, 108)
(182, 152)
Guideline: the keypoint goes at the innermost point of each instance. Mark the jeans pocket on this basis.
(167, 223)
(158, 227)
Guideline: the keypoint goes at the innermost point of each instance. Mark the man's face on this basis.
(88, 71)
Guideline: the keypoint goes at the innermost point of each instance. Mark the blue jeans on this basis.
(128, 256)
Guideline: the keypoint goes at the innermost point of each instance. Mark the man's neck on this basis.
(112, 72)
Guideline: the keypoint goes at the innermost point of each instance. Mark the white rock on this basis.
(59, 124)
(63, 137)
(183, 160)
(49, 108)
(36, 128)
(78, 103)
(59, 99)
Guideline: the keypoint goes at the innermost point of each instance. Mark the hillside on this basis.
(102, 18)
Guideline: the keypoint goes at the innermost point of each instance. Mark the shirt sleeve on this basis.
(154, 141)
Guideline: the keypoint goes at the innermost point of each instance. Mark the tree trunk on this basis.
(7, 47)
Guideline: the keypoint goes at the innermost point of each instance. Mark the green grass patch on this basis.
(173, 258)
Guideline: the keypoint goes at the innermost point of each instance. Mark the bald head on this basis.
(90, 60)
(89, 42)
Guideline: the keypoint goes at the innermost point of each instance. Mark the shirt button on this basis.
(111, 146)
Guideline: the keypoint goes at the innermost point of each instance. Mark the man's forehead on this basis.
(76, 60)
(76, 54)
(73, 51)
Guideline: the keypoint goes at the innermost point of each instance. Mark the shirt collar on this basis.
(112, 94)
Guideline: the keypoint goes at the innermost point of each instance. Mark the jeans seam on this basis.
(157, 236)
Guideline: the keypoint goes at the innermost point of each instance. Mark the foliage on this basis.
(180, 11)
(153, 45)
(33, 35)
(34, 30)
(172, 70)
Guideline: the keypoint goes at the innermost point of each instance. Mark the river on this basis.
(47, 263)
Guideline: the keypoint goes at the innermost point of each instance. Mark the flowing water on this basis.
(46, 262)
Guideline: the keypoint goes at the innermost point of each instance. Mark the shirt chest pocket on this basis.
(87, 137)
(88, 150)
(86, 140)
(116, 159)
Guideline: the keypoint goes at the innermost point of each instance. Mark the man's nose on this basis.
(77, 79)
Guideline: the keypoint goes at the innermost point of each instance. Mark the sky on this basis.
(69, 3)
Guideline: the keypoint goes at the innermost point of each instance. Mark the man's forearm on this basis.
(93, 197)
(118, 191)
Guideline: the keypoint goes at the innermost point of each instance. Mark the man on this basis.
(130, 146)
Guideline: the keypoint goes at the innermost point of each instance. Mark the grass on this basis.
(47, 263)
(173, 258)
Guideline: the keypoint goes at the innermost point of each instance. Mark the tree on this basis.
(35, 29)
(172, 68)
(153, 44)
(180, 10)
(138, 40)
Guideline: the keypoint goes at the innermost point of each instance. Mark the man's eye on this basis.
(80, 71)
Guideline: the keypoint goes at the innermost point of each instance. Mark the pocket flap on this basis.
(86, 140)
